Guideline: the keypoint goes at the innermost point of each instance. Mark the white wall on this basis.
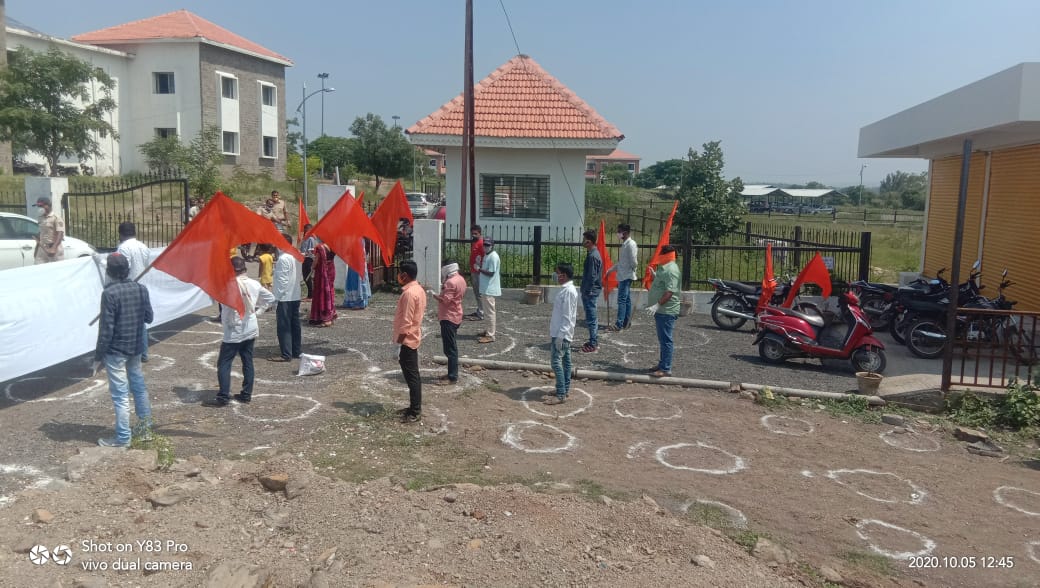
(147, 110)
(566, 188)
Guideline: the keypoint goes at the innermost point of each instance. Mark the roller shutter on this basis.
(942, 214)
(1013, 225)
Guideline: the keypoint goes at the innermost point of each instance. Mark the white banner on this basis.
(45, 311)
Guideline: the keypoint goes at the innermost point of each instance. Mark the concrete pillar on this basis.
(5, 148)
(426, 252)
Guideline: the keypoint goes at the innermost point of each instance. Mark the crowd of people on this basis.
(125, 313)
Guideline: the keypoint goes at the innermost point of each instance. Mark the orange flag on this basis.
(342, 229)
(199, 254)
(648, 278)
(768, 281)
(391, 210)
(814, 272)
(609, 280)
(304, 221)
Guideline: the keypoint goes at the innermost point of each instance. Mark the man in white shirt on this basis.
(490, 286)
(561, 332)
(626, 274)
(286, 289)
(139, 256)
(240, 333)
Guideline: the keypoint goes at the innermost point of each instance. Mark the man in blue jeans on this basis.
(125, 308)
(591, 287)
(665, 298)
(561, 332)
(626, 274)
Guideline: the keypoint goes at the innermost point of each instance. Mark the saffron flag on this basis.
(304, 221)
(342, 229)
(391, 210)
(648, 277)
(768, 281)
(199, 254)
(814, 272)
(609, 280)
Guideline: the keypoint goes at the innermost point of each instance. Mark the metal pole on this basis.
(324, 76)
(860, 203)
(304, 104)
(955, 269)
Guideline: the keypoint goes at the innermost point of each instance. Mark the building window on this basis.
(229, 87)
(165, 133)
(632, 167)
(270, 147)
(519, 197)
(163, 82)
(268, 95)
(230, 143)
(433, 163)
(590, 166)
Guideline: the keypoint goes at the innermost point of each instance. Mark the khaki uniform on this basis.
(50, 225)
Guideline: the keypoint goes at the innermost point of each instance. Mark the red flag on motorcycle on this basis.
(304, 221)
(814, 272)
(768, 281)
(648, 277)
(609, 280)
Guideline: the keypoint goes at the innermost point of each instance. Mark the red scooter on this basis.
(785, 333)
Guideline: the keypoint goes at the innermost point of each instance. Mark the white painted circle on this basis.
(509, 347)
(999, 493)
(170, 340)
(779, 424)
(927, 545)
(910, 441)
(209, 358)
(737, 518)
(1032, 550)
(621, 411)
(236, 407)
(917, 494)
(378, 381)
(10, 390)
(514, 437)
(552, 390)
(157, 363)
(39, 479)
(738, 462)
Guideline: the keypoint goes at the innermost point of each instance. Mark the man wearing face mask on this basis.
(449, 313)
(490, 286)
(665, 297)
(626, 273)
(408, 334)
(476, 257)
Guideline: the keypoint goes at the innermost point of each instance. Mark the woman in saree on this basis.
(323, 298)
(357, 289)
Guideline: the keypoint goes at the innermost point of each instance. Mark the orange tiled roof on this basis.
(180, 24)
(521, 100)
(615, 154)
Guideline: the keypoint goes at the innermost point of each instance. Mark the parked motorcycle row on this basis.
(801, 330)
(917, 315)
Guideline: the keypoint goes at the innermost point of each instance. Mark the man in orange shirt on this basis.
(408, 334)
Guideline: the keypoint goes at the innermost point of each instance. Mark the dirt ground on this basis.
(564, 497)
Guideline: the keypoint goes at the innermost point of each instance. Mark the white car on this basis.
(18, 241)
(418, 203)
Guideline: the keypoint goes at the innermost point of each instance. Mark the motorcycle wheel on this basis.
(899, 327)
(926, 338)
(771, 350)
(731, 302)
(877, 313)
(869, 359)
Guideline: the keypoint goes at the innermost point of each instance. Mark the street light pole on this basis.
(303, 105)
(323, 76)
(861, 168)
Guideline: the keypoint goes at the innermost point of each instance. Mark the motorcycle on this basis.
(929, 299)
(876, 300)
(734, 302)
(785, 333)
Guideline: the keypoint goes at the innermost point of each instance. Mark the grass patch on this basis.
(593, 490)
(161, 444)
(872, 562)
(747, 538)
(855, 406)
(710, 515)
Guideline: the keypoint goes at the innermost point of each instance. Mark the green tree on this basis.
(163, 154)
(617, 174)
(54, 104)
(709, 205)
(380, 151)
(663, 173)
(293, 139)
(904, 189)
(200, 160)
(294, 166)
(333, 151)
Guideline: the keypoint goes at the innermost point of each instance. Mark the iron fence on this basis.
(994, 347)
(156, 204)
(12, 201)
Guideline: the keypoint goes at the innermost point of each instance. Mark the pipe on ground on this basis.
(672, 381)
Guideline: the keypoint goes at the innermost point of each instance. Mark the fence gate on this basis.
(157, 205)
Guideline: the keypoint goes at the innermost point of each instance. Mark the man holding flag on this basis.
(591, 286)
(665, 297)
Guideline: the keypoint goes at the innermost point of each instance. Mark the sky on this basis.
(785, 85)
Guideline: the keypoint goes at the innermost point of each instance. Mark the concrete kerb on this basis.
(645, 379)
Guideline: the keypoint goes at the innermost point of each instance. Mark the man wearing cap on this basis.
(52, 231)
(490, 286)
(240, 333)
(125, 308)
